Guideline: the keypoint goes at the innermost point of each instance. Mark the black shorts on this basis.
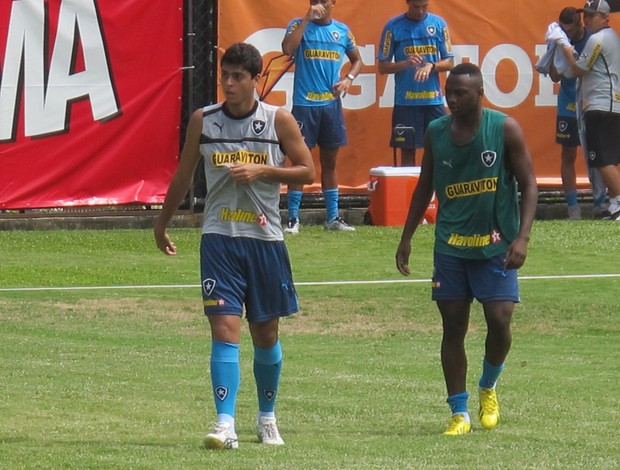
(602, 138)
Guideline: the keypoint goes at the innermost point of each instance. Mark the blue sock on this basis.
(458, 403)
(490, 374)
(571, 197)
(267, 368)
(225, 376)
(600, 200)
(294, 202)
(331, 203)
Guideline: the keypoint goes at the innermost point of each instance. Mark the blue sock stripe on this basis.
(458, 402)
(294, 203)
(490, 374)
(267, 370)
(268, 356)
(224, 352)
(571, 197)
(225, 376)
(331, 203)
(600, 200)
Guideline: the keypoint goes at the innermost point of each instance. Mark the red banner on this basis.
(90, 101)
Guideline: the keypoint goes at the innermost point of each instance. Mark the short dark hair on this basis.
(244, 55)
(467, 68)
(569, 15)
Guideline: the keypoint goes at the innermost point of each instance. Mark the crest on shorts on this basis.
(208, 285)
(258, 126)
(488, 158)
(431, 30)
(562, 125)
(400, 130)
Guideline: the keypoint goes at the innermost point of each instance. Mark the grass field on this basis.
(95, 373)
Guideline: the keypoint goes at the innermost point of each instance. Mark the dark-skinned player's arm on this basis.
(519, 162)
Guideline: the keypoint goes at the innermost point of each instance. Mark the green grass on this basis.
(118, 379)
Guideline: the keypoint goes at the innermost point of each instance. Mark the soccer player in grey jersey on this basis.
(243, 259)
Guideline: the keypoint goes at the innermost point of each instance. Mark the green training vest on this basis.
(478, 203)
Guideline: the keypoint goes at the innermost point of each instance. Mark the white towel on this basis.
(556, 39)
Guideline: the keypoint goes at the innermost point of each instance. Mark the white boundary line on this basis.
(319, 283)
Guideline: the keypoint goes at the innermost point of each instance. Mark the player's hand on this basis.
(315, 12)
(423, 72)
(246, 172)
(164, 243)
(340, 88)
(402, 257)
(516, 254)
(414, 60)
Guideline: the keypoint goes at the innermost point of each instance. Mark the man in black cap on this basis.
(598, 69)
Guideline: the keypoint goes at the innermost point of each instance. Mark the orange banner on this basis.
(504, 38)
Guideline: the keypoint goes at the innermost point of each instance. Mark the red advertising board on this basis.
(90, 101)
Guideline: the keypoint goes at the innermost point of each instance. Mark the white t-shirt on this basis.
(599, 89)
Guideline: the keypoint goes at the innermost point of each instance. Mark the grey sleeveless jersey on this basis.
(240, 210)
(599, 89)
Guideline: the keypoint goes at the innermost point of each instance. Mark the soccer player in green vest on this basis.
(476, 160)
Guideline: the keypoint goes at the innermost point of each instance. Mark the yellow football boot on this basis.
(457, 425)
(489, 408)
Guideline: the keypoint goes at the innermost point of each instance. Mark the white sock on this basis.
(225, 418)
(465, 415)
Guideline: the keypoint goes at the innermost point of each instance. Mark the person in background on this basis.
(566, 132)
(319, 44)
(415, 46)
(243, 259)
(598, 71)
(474, 159)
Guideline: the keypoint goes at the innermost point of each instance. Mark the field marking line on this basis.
(317, 283)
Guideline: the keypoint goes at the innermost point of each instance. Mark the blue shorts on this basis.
(417, 117)
(486, 280)
(238, 271)
(323, 125)
(566, 131)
